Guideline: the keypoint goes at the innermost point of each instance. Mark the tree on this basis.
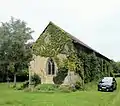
(116, 66)
(13, 48)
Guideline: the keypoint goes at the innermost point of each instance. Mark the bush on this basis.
(62, 73)
(22, 75)
(36, 79)
(27, 90)
(91, 86)
(19, 87)
(67, 88)
(23, 85)
(78, 85)
(47, 87)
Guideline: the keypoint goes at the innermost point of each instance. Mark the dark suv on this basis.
(107, 84)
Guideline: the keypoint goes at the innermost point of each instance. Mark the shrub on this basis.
(19, 87)
(78, 85)
(23, 85)
(46, 87)
(67, 88)
(22, 75)
(62, 73)
(27, 90)
(91, 86)
(35, 79)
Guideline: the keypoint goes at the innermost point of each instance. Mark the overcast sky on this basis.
(95, 22)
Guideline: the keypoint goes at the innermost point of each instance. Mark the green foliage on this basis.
(91, 86)
(85, 59)
(79, 68)
(25, 84)
(3, 72)
(22, 85)
(52, 42)
(47, 87)
(93, 67)
(72, 62)
(90, 97)
(61, 74)
(35, 79)
(78, 85)
(22, 75)
(66, 88)
(13, 48)
(115, 67)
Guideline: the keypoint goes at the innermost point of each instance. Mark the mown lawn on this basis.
(10, 97)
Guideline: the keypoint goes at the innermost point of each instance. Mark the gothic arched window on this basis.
(50, 67)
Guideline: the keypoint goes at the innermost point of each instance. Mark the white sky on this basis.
(95, 22)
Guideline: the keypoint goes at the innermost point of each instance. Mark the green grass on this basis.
(91, 97)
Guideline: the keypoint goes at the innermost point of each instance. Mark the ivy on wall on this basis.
(94, 67)
(54, 41)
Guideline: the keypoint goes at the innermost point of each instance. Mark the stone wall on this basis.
(71, 78)
(38, 66)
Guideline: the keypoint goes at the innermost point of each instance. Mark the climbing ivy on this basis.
(54, 41)
(93, 67)
(62, 73)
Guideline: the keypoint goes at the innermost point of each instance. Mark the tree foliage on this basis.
(116, 66)
(13, 48)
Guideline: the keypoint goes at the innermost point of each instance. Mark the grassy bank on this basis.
(90, 97)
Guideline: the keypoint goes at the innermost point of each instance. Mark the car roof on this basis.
(108, 78)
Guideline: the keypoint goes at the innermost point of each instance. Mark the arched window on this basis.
(50, 67)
